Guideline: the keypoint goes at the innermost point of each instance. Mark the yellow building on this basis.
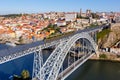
(52, 31)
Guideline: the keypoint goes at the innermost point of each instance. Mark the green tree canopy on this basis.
(25, 74)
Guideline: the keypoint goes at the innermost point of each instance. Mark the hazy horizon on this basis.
(38, 6)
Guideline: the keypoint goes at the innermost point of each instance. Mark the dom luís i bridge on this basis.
(73, 50)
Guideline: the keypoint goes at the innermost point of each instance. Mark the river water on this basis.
(91, 70)
(97, 70)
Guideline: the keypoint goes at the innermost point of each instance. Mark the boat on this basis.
(10, 44)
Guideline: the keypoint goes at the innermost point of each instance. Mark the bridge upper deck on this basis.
(20, 48)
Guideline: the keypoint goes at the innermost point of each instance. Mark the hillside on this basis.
(109, 38)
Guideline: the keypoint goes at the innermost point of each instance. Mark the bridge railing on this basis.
(19, 49)
(74, 66)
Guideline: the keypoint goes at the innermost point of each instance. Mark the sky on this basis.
(38, 6)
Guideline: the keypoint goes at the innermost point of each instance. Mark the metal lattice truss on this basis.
(50, 69)
(26, 52)
(45, 70)
(38, 62)
(18, 54)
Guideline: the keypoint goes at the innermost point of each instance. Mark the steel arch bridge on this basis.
(51, 68)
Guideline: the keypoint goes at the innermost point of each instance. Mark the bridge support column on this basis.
(97, 52)
(37, 64)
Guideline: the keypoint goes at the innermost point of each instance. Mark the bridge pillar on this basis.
(37, 64)
(97, 52)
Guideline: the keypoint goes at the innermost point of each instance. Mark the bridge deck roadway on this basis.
(43, 43)
(73, 67)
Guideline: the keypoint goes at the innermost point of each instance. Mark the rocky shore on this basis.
(107, 57)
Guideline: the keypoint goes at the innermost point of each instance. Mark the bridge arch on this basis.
(51, 68)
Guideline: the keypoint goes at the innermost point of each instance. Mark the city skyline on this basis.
(32, 6)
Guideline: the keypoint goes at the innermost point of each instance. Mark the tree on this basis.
(103, 56)
(25, 75)
(94, 15)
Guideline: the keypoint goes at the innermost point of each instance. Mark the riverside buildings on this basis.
(27, 28)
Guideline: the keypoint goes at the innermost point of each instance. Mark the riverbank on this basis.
(107, 57)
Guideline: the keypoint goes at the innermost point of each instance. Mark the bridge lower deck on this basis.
(73, 67)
